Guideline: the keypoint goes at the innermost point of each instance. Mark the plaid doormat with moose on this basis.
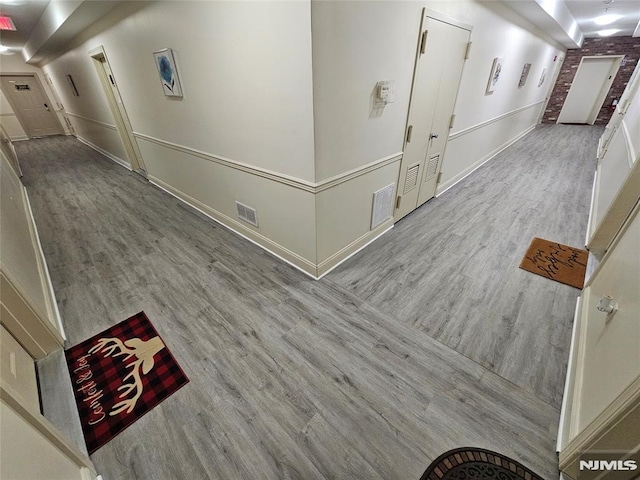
(119, 375)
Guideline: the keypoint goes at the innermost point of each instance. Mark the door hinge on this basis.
(398, 200)
(453, 119)
(423, 42)
(439, 177)
(467, 52)
(409, 131)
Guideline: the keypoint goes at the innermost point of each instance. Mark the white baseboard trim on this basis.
(564, 424)
(44, 271)
(19, 138)
(632, 155)
(278, 251)
(354, 247)
(468, 171)
(592, 207)
(109, 155)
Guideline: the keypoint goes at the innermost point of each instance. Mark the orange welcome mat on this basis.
(556, 261)
(119, 375)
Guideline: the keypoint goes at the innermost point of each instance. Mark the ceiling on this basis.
(27, 13)
(584, 11)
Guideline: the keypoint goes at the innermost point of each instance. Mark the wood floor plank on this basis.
(429, 339)
(539, 187)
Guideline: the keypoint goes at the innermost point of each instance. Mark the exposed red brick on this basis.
(627, 46)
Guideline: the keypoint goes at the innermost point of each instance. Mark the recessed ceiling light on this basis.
(607, 19)
(609, 32)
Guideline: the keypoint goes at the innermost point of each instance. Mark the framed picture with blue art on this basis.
(166, 66)
(494, 76)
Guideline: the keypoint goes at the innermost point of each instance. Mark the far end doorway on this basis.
(589, 89)
(30, 104)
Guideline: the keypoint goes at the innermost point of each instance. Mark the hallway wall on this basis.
(243, 130)
(355, 45)
(286, 125)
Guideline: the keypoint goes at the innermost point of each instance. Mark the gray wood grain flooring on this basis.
(407, 350)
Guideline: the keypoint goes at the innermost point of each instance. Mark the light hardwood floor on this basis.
(429, 339)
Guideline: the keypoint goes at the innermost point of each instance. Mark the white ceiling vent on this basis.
(412, 177)
(247, 214)
(432, 168)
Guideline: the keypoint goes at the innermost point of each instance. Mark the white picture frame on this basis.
(543, 76)
(524, 75)
(72, 85)
(496, 71)
(168, 73)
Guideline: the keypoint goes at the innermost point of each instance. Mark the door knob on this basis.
(46, 106)
(433, 135)
(606, 305)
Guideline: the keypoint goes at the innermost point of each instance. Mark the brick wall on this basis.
(627, 46)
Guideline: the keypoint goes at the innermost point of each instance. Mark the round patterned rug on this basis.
(476, 464)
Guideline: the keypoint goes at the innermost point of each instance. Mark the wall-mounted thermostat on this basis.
(385, 92)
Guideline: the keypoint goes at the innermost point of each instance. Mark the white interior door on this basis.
(32, 107)
(589, 89)
(441, 55)
(125, 130)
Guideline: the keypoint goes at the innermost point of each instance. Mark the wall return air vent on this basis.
(248, 214)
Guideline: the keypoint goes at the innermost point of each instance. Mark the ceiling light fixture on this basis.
(609, 32)
(7, 24)
(607, 18)
(3, 48)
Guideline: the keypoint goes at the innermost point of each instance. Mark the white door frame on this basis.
(605, 89)
(18, 112)
(552, 83)
(123, 125)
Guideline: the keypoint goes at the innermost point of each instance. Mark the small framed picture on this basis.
(524, 74)
(496, 70)
(166, 65)
(74, 90)
(543, 76)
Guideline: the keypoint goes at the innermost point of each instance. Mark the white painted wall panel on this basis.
(101, 136)
(613, 169)
(355, 44)
(285, 214)
(483, 143)
(610, 346)
(344, 211)
(19, 442)
(632, 124)
(245, 69)
(19, 252)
